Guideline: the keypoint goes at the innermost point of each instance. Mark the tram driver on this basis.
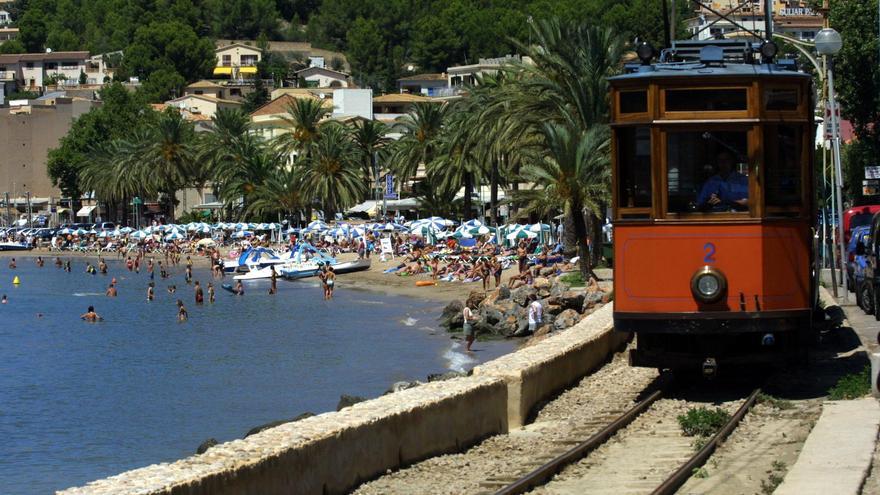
(727, 189)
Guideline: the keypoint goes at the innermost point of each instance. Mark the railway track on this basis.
(649, 454)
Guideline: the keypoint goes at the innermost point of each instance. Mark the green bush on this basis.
(774, 402)
(573, 279)
(703, 422)
(852, 386)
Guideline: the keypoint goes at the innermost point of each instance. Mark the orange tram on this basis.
(713, 204)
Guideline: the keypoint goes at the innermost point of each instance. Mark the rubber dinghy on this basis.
(257, 273)
(14, 246)
(352, 266)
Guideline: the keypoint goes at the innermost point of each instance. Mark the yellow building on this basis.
(237, 61)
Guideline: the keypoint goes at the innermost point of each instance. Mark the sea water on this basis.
(81, 401)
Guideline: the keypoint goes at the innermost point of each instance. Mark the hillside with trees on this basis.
(170, 42)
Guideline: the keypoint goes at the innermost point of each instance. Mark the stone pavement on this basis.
(838, 454)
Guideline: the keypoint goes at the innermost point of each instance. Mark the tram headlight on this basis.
(708, 285)
(645, 52)
(769, 50)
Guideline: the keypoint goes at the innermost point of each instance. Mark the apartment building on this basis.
(33, 71)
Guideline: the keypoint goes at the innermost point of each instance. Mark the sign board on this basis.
(829, 130)
(391, 196)
(386, 245)
(389, 185)
(872, 172)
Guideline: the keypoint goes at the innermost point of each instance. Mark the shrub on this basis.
(852, 386)
(703, 422)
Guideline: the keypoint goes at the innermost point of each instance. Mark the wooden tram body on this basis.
(671, 123)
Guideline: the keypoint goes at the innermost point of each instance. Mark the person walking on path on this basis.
(469, 319)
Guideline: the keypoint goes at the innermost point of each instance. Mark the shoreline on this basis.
(374, 279)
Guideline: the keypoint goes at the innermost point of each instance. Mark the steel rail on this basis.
(683, 473)
(543, 473)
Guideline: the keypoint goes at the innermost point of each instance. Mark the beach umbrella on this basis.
(436, 223)
(521, 234)
(317, 225)
(174, 235)
(79, 231)
(67, 230)
(242, 234)
(206, 243)
(140, 234)
(103, 234)
(392, 226)
(358, 232)
(126, 230)
(472, 223)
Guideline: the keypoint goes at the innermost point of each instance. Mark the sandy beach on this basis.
(373, 279)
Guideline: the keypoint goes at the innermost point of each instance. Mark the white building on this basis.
(791, 17)
(5, 17)
(321, 77)
(33, 71)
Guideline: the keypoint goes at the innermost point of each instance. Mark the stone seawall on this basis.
(335, 452)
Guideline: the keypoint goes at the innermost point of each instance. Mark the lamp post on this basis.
(828, 44)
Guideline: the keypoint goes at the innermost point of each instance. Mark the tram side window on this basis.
(634, 162)
(783, 146)
(707, 171)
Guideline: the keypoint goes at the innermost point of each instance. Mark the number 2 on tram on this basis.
(713, 200)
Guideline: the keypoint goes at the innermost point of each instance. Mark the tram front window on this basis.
(707, 171)
(634, 162)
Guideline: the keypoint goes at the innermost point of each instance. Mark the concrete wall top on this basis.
(515, 364)
(241, 455)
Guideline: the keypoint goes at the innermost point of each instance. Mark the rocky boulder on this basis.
(542, 283)
(207, 444)
(475, 298)
(449, 375)
(521, 295)
(273, 424)
(398, 386)
(566, 319)
(452, 317)
(572, 299)
(591, 300)
(348, 401)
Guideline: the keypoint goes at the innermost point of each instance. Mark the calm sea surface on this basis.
(81, 401)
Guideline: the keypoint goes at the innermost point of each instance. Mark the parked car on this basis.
(856, 256)
(105, 226)
(858, 216)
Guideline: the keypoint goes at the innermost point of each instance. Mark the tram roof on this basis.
(701, 70)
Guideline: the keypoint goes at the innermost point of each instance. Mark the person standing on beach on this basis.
(210, 292)
(189, 274)
(322, 276)
(181, 312)
(150, 291)
(67, 267)
(469, 319)
(200, 297)
(102, 266)
(274, 277)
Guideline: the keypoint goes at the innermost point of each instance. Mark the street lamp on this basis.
(828, 44)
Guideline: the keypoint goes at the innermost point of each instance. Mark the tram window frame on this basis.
(745, 112)
(641, 211)
(772, 137)
(767, 91)
(750, 210)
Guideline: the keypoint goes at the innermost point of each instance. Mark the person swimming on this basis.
(150, 293)
(239, 288)
(111, 290)
(4, 300)
(90, 315)
(182, 315)
(172, 289)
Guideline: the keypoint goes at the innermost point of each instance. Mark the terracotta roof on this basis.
(425, 77)
(159, 107)
(55, 56)
(400, 98)
(204, 83)
(279, 105)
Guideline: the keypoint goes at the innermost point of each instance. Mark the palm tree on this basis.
(574, 173)
(456, 164)
(370, 137)
(247, 165)
(418, 145)
(331, 171)
(304, 116)
(216, 151)
(280, 192)
(169, 153)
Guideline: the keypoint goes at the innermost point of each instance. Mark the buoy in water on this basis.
(16, 281)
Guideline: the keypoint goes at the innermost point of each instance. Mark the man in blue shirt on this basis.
(726, 190)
